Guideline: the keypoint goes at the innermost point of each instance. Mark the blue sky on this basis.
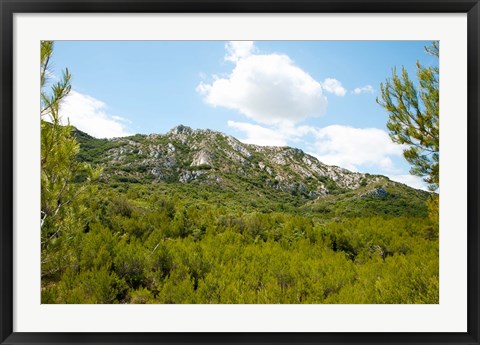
(315, 95)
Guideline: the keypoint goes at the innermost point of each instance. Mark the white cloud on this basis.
(334, 86)
(364, 89)
(410, 180)
(122, 119)
(351, 148)
(237, 50)
(259, 135)
(278, 135)
(269, 89)
(347, 147)
(89, 115)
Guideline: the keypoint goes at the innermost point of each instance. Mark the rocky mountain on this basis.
(206, 157)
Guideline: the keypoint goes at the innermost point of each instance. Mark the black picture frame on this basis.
(7, 10)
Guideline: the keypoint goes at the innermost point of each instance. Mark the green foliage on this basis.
(87, 287)
(130, 262)
(93, 149)
(58, 91)
(414, 117)
(61, 206)
(158, 244)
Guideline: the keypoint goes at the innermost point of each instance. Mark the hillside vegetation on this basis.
(196, 216)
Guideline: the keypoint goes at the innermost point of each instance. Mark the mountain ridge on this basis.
(208, 158)
(187, 154)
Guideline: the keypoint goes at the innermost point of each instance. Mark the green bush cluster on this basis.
(162, 244)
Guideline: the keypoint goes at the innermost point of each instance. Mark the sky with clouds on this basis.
(315, 95)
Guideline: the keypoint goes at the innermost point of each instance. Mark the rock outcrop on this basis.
(204, 156)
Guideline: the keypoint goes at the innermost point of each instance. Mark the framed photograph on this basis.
(239, 172)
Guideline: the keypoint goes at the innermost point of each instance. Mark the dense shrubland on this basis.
(175, 243)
